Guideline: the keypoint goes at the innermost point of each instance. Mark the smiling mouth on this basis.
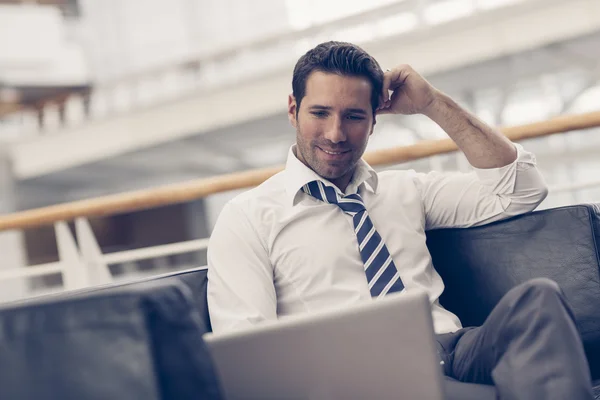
(334, 153)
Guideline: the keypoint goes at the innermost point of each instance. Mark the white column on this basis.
(197, 225)
(12, 247)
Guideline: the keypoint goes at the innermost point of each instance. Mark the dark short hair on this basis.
(340, 58)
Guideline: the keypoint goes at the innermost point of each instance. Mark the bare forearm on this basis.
(484, 146)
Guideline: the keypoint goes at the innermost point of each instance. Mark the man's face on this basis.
(333, 124)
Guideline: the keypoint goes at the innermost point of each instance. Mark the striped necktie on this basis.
(382, 274)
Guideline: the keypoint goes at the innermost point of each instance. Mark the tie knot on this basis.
(350, 204)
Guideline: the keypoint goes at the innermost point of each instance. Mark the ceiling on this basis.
(572, 66)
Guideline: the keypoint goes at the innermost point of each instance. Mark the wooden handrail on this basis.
(187, 191)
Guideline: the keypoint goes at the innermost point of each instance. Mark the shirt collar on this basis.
(297, 175)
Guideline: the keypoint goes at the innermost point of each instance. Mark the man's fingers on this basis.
(385, 90)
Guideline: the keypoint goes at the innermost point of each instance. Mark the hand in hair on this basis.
(411, 93)
(484, 146)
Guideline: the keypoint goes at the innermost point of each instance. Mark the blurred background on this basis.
(100, 97)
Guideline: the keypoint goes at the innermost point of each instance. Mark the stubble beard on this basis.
(307, 153)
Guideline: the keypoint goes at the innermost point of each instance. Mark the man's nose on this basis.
(335, 132)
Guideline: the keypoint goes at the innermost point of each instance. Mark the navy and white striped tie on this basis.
(382, 274)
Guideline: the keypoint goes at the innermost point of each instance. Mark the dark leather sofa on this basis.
(141, 340)
(479, 265)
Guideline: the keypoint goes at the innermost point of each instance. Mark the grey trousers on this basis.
(528, 347)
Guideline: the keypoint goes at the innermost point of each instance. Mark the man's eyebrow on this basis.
(327, 108)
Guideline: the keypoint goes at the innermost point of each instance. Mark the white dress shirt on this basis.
(277, 251)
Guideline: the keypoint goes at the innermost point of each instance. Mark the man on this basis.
(329, 231)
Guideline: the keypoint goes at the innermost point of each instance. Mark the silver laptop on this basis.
(382, 349)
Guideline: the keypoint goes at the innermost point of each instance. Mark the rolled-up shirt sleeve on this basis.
(461, 200)
(240, 277)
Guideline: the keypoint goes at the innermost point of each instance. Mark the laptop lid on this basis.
(383, 349)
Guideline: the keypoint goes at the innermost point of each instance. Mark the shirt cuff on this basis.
(502, 180)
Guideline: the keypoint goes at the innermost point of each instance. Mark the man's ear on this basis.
(292, 110)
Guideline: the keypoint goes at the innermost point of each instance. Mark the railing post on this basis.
(91, 254)
(12, 248)
(75, 276)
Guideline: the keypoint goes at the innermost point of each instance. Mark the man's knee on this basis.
(540, 286)
(542, 296)
(534, 293)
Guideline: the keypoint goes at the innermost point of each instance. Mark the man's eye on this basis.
(319, 114)
(355, 117)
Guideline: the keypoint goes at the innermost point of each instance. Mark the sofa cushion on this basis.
(120, 343)
(479, 265)
(194, 279)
